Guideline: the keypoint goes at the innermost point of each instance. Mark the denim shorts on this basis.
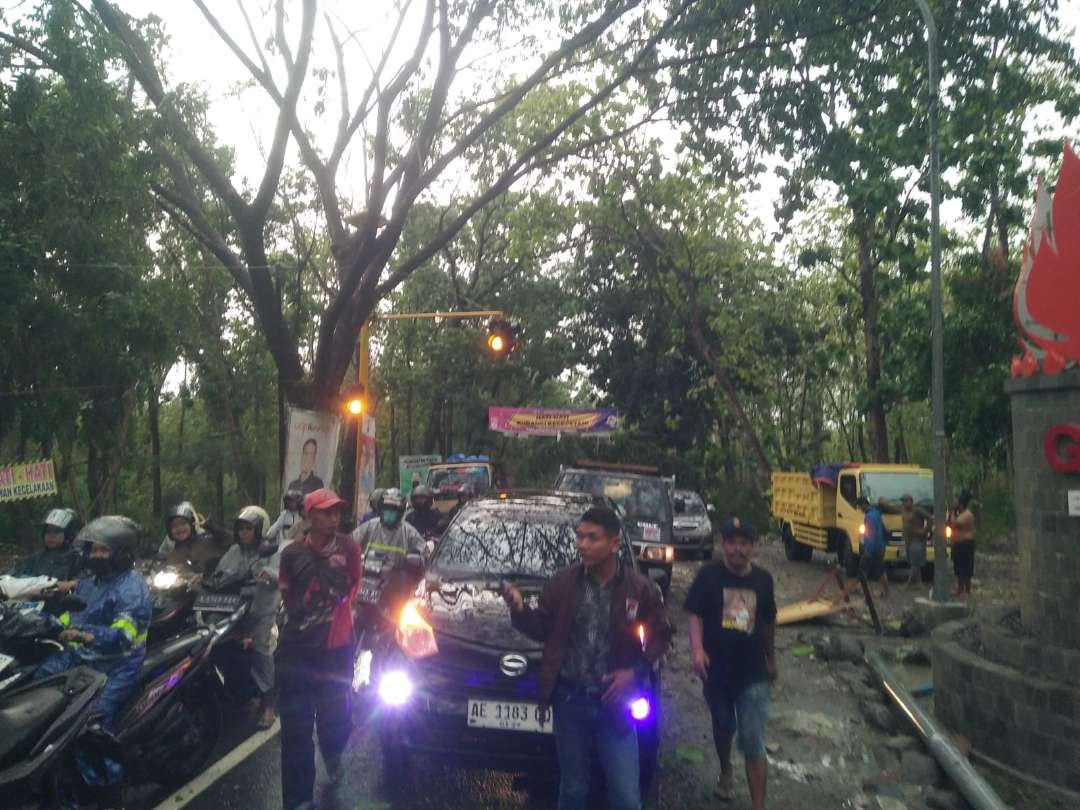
(743, 713)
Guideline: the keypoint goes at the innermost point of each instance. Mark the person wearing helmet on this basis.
(109, 634)
(423, 516)
(464, 495)
(188, 540)
(374, 505)
(243, 561)
(58, 558)
(319, 577)
(386, 541)
(291, 518)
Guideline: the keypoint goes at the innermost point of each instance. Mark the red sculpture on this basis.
(1046, 300)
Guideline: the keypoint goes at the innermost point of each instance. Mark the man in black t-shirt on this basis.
(732, 626)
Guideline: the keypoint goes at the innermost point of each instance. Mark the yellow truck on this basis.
(819, 510)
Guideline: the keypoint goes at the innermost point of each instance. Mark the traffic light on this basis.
(501, 338)
(352, 399)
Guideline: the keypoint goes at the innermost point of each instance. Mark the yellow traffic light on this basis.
(352, 400)
(501, 338)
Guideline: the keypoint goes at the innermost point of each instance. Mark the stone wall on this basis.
(1028, 722)
(1048, 539)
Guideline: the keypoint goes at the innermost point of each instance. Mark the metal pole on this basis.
(937, 362)
(967, 780)
(363, 374)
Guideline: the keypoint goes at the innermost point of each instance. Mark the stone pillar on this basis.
(1048, 538)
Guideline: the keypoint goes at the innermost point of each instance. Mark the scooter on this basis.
(28, 634)
(382, 595)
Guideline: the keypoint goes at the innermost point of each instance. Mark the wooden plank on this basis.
(810, 609)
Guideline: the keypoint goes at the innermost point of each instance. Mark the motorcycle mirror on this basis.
(268, 549)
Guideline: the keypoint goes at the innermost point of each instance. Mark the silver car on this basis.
(693, 531)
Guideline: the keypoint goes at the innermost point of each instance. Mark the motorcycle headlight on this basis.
(163, 580)
(395, 688)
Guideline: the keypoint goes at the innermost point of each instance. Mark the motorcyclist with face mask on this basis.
(58, 558)
(241, 562)
(289, 522)
(386, 541)
(109, 634)
(199, 543)
(423, 516)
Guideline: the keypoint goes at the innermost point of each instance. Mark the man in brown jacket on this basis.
(604, 628)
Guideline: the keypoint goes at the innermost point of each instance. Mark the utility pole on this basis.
(937, 361)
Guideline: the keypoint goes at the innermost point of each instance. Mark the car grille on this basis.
(460, 671)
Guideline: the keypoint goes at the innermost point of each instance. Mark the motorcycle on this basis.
(28, 634)
(382, 595)
(173, 588)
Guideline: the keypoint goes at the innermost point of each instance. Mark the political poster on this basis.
(311, 451)
(32, 480)
(365, 478)
(413, 470)
(552, 421)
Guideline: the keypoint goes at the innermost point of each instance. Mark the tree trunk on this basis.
(154, 418)
(875, 417)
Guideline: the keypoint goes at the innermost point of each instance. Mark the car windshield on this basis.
(500, 543)
(456, 477)
(892, 485)
(691, 504)
(639, 498)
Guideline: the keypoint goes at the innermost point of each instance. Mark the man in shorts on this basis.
(732, 621)
(872, 548)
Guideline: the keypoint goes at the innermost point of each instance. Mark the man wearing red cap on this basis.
(319, 578)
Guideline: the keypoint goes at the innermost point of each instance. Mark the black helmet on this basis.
(293, 500)
(184, 510)
(119, 533)
(375, 501)
(255, 516)
(65, 520)
(421, 492)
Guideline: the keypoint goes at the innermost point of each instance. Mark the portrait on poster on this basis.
(312, 450)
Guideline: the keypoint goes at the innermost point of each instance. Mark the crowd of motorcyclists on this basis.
(301, 574)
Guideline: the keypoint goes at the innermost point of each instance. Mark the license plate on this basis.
(509, 716)
(650, 532)
(218, 602)
(5, 661)
(369, 592)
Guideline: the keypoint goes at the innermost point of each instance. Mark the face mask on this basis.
(100, 566)
(390, 517)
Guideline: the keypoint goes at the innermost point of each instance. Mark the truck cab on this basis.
(447, 478)
(814, 513)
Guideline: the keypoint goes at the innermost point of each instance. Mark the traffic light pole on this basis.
(363, 363)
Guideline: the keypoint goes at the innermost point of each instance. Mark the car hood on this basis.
(474, 613)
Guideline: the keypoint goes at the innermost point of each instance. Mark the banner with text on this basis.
(33, 480)
(552, 421)
(413, 470)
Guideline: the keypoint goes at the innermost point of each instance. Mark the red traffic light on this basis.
(501, 338)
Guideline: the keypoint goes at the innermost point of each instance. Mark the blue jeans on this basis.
(581, 720)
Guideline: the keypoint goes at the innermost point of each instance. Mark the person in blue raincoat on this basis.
(109, 634)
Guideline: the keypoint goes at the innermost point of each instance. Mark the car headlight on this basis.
(163, 580)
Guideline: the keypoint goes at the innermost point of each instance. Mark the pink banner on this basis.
(552, 421)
